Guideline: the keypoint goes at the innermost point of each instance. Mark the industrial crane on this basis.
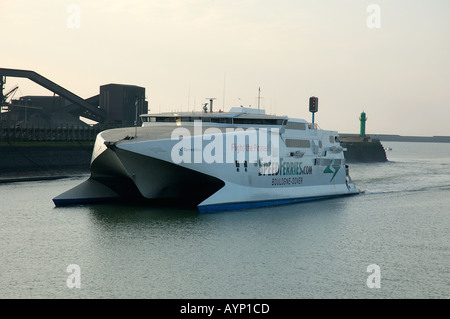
(5, 105)
(8, 95)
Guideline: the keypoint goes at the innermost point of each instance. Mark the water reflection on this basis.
(160, 219)
(139, 216)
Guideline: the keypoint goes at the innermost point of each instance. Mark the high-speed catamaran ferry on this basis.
(215, 161)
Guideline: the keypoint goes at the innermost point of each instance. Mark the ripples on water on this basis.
(315, 249)
(423, 167)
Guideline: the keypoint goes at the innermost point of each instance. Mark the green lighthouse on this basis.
(363, 120)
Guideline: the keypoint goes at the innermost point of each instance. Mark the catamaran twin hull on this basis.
(222, 170)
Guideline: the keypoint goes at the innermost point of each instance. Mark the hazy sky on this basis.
(389, 58)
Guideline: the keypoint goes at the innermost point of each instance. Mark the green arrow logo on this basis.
(332, 169)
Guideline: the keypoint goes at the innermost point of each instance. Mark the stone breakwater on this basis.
(364, 151)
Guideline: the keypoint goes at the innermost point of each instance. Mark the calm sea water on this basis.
(318, 249)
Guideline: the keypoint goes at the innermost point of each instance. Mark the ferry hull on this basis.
(119, 174)
(89, 192)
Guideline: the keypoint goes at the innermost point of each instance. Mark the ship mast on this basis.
(259, 97)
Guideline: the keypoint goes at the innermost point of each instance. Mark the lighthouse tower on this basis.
(363, 120)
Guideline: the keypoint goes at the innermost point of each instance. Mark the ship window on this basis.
(258, 121)
(326, 162)
(331, 139)
(337, 162)
(295, 126)
(148, 119)
(298, 143)
(195, 118)
(165, 119)
(221, 120)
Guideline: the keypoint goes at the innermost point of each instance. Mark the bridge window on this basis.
(295, 126)
(257, 121)
(298, 143)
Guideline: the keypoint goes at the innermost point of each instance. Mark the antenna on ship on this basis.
(136, 104)
(259, 97)
(211, 103)
(223, 99)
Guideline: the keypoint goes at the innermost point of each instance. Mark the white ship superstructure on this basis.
(216, 161)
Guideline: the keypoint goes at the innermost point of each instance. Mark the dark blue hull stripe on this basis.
(247, 205)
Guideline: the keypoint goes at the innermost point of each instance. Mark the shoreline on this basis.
(30, 177)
